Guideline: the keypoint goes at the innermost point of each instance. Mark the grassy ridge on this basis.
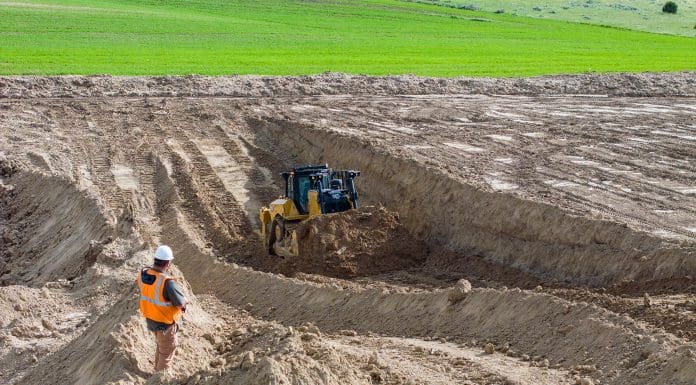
(128, 37)
(641, 15)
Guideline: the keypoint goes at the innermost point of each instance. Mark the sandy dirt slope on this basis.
(573, 216)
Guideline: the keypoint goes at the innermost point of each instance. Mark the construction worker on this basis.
(162, 302)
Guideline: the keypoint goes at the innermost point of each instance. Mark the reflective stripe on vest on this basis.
(162, 277)
(152, 303)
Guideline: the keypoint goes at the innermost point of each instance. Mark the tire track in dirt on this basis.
(145, 199)
(260, 182)
(603, 209)
(211, 205)
(628, 206)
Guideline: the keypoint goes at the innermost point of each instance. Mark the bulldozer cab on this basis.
(298, 191)
(336, 190)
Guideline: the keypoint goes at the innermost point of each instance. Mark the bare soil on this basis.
(568, 202)
(366, 241)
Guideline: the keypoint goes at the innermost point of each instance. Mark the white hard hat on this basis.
(164, 253)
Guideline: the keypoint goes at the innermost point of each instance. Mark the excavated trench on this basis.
(533, 237)
(83, 214)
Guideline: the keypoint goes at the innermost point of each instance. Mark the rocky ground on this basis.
(568, 203)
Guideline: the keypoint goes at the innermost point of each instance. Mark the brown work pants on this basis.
(166, 345)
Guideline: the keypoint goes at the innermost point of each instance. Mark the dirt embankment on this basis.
(38, 246)
(516, 318)
(645, 84)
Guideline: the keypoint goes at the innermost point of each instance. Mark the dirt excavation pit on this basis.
(367, 241)
(513, 231)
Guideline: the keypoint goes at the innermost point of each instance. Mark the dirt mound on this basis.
(643, 84)
(268, 353)
(370, 240)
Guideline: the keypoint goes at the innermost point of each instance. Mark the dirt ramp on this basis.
(370, 240)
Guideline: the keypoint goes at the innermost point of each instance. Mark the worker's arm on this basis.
(174, 294)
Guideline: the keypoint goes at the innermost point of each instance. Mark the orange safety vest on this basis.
(152, 302)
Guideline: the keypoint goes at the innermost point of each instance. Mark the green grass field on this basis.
(641, 15)
(216, 37)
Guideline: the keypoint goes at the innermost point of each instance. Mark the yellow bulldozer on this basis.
(310, 191)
